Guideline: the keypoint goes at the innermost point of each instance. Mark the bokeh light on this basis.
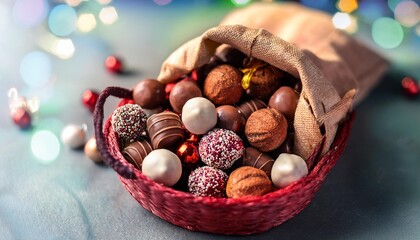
(345, 21)
(73, 3)
(162, 2)
(4, 18)
(418, 30)
(369, 11)
(45, 146)
(387, 33)
(35, 69)
(407, 13)
(86, 22)
(62, 20)
(64, 48)
(104, 2)
(30, 12)
(108, 15)
(392, 4)
(240, 2)
(315, 4)
(347, 6)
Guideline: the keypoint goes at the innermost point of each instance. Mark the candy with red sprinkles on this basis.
(207, 182)
(129, 122)
(220, 148)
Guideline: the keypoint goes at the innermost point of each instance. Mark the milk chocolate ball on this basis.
(285, 100)
(182, 92)
(136, 151)
(232, 56)
(254, 158)
(223, 85)
(248, 181)
(229, 117)
(165, 130)
(149, 93)
(266, 129)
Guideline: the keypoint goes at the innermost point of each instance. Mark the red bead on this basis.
(194, 75)
(168, 88)
(125, 101)
(410, 87)
(114, 64)
(89, 99)
(188, 153)
(22, 118)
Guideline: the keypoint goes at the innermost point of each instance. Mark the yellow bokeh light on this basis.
(86, 22)
(64, 49)
(347, 6)
(345, 21)
(73, 3)
(108, 15)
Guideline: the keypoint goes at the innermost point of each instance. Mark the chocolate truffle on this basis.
(149, 93)
(229, 117)
(162, 166)
(248, 181)
(223, 85)
(285, 100)
(182, 92)
(264, 80)
(266, 129)
(220, 148)
(199, 115)
(207, 182)
(232, 56)
(91, 150)
(136, 151)
(165, 130)
(249, 106)
(288, 168)
(254, 158)
(129, 122)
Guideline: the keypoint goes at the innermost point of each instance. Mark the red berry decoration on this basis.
(22, 118)
(114, 64)
(207, 181)
(188, 153)
(410, 87)
(168, 88)
(89, 99)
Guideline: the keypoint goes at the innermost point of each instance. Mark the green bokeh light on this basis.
(387, 33)
(45, 146)
(240, 2)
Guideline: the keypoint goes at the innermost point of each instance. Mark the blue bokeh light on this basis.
(62, 20)
(35, 69)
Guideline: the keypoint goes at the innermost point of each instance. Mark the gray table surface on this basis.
(372, 193)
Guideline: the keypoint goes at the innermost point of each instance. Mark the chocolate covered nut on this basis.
(229, 117)
(162, 166)
(182, 92)
(248, 181)
(285, 100)
(223, 85)
(199, 115)
(287, 169)
(254, 158)
(249, 106)
(165, 130)
(149, 93)
(266, 129)
(136, 151)
(264, 79)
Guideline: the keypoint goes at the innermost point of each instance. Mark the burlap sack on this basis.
(336, 71)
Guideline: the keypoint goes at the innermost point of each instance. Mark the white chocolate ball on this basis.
(91, 150)
(199, 115)
(73, 136)
(288, 168)
(162, 166)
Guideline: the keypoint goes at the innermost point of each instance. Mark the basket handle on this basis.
(123, 169)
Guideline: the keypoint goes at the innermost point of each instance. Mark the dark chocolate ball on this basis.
(223, 85)
(182, 92)
(136, 151)
(266, 129)
(232, 56)
(249, 106)
(254, 158)
(149, 94)
(229, 117)
(165, 130)
(285, 100)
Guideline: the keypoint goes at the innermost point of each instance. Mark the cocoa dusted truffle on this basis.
(182, 92)
(149, 94)
(207, 182)
(165, 130)
(229, 117)
(249, 106)
(266, 129)
(254, 158)
(223, 85)
(285, 100)
(248, 181)
(136, 151)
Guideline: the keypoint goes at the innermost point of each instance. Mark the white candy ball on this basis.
(162, 166)
(288, 168)
(199, 115)
(73, 136)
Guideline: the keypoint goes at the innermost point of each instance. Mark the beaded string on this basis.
(123, 169)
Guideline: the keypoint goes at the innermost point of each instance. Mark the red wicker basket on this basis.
(216, 215)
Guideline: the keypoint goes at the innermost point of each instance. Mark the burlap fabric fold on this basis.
(336, 71)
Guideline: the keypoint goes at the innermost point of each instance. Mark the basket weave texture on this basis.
(225, 215)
